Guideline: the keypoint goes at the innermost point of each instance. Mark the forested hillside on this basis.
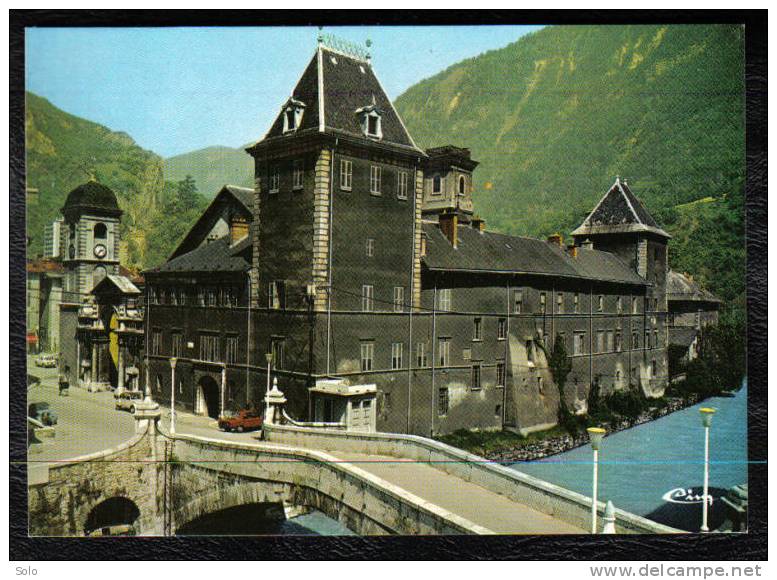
(212, 168)
(554, 117)
(63, 151)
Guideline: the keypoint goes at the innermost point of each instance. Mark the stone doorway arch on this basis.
(207, 400)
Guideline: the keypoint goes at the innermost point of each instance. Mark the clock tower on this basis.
(90, 238)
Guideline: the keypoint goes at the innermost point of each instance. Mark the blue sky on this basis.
(175, 90)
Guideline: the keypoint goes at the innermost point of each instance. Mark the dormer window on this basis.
(292, 115)
(370, 117)
(462, 184)
(436, 184)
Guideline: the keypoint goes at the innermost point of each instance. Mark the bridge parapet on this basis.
(559, 502)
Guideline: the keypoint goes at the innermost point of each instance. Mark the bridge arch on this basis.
(112, 512)
(207, 397)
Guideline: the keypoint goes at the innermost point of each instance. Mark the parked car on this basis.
(244, 420)
(42, 412)
(48, 361)
(126, 401)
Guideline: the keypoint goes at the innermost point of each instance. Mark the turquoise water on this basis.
(314, 524)
(640, 465)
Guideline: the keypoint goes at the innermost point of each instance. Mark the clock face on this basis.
(72, 251)
(100, 251)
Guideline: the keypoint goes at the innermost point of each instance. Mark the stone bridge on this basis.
(161, 483)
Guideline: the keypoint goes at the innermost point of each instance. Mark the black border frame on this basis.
(750, 546)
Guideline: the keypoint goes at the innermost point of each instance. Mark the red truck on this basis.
(245, 420)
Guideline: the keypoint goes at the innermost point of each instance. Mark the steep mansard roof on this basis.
(619, 211)
(333, 87)
(489, 252)
(681, 288)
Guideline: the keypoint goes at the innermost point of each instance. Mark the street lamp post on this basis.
(706, 421)
(172, 395)
(269, 357)
(596, 434)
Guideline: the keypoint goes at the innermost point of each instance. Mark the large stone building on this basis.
(358, 256)
(691, 309)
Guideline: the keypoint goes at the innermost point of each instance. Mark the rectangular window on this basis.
(298, 174)
(275, 179)
(619, 305)
(399, 298)
(396, 355)
(346, 174)
(156, 342)
(517, 301)
(201, 296)
(647, 339)
(445, 351)
(634, 305)
(577, 302)
(655, 339)
(442, 401)
(610, 341)
(176, 350)
(402, 185)
(501, 329)
(634, 340)
(209, 347)
(173, 297)
(444, 299)
(367, 298)
(600, 303)
(477, 330)
(580, 343)
(560, 303)
(276, 295)
(277, 350)
(420, 350)
(367, 354)
(618, 342)
(375, 173)
(212, 296)
(542, 302)
(231, 349)
(500, 374)
(369, 247)
(475, 379)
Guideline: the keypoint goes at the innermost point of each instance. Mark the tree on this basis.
(560, 366)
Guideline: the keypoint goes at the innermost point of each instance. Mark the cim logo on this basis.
(685, 496)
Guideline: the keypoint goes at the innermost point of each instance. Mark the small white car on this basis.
(48, 361)
(127, 400)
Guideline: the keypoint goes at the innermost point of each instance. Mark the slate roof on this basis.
(333, 87)
(619, 211)
(682, 336)
(244, 195)
(679, 287)
(216, 256)
(121, 283)
(490, 252)
(92, 195)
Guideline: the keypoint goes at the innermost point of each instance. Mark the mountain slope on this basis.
(554, 117)
(64, 150)
(212, 168)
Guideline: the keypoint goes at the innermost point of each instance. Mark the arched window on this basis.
(436, 184)
(462, 184)
(100, 231)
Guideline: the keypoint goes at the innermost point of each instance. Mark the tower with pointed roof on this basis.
(91, 238)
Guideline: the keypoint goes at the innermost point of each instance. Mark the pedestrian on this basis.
(64, 381)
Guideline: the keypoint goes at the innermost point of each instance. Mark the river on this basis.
(639, 466)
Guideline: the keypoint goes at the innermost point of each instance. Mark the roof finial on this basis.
(369, 55)
(320, 35)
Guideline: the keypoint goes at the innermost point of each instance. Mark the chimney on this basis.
(238, 229)
(572, 250)
(478, 224)
(449, 223)
(556, 239)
